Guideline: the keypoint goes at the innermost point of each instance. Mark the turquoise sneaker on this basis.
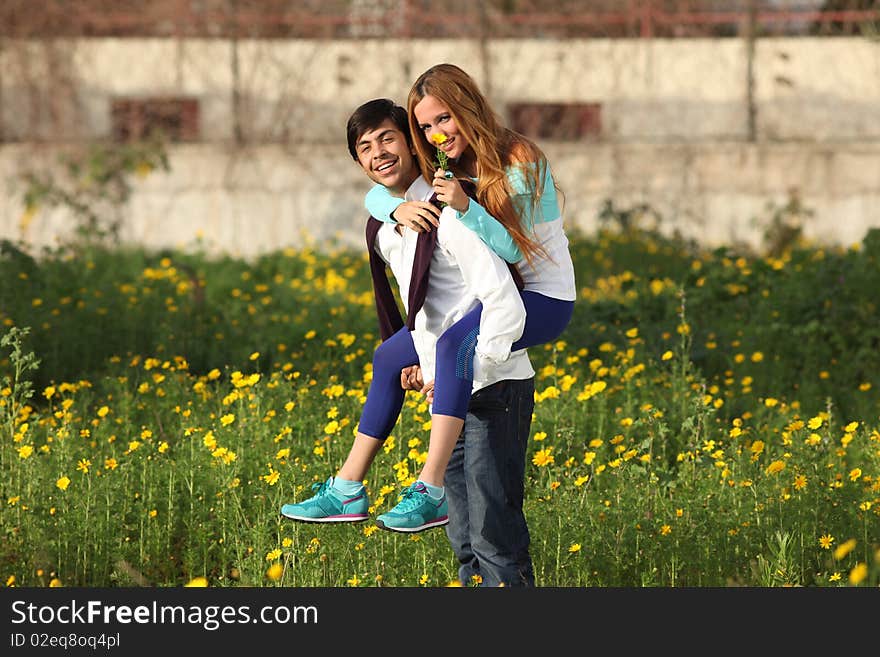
(329, 505)
(415, 512)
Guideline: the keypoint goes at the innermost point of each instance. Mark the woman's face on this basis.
(433, 118)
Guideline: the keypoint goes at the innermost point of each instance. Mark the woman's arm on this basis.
(490, 230)
(381, 203)
(390, 209)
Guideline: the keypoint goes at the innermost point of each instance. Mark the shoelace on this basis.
(320, 488)
(411, 499)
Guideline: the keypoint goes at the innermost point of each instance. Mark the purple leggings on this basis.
(546, 319)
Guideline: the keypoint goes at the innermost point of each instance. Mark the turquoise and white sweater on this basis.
(552, 276)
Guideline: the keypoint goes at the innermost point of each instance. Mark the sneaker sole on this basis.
(328, 518)
(413, 530)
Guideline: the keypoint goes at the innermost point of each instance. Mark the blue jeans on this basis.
(485, 482)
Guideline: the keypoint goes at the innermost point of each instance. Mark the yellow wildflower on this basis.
(274, 572)
(775, 467)
(844, 549)
(858, 574)
(543, 457)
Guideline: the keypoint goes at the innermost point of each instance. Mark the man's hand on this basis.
(417, 215)
(450, 192)
(428, 391)
(411, 378)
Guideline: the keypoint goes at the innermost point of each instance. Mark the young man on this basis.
(484, 479)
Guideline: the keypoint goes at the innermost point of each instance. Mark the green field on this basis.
(709, 418)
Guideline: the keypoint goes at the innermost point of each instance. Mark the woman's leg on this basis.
(343, 498)
(383, 405)
(550, 318)
(424, 504)
(453, 380)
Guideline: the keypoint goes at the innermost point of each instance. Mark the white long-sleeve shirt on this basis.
(463, 271)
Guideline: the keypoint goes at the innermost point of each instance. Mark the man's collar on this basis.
(419, 190)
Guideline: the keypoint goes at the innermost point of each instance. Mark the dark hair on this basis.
(370, 115)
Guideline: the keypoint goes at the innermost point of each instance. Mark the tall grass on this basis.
(709, 418)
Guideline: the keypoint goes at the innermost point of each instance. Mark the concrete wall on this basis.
(250, 202)
(675, 119)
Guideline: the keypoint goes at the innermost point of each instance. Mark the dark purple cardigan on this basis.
(390, 318)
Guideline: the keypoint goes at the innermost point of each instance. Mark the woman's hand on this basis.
(420, 216)
(449, 191)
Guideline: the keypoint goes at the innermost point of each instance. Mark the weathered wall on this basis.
(267, 198)
(675, 130)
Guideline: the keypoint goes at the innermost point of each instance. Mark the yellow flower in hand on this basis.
(439, 139)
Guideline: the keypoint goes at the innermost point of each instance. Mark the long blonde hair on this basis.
(495, 147)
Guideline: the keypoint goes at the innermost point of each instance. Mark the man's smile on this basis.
(385, 166)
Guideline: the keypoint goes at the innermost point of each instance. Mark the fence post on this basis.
(751, 37)
(647, 22)
(407, 14)
(2, 127)
(484, 49)
(237, 131)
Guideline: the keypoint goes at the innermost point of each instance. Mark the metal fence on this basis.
(220, 70)
(341, 19)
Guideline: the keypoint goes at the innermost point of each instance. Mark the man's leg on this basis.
(495, 440)
(458, 529)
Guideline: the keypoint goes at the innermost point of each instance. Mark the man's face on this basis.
(386, 158)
